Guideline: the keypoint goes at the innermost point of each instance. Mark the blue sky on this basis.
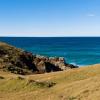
(49, 17)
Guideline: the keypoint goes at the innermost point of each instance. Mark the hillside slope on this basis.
(75, 84)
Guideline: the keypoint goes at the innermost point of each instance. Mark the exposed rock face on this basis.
(21, 62)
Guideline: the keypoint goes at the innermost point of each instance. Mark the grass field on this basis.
(76, 84)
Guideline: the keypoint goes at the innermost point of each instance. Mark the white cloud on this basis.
(91, 15)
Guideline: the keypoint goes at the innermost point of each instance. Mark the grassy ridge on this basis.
(75, 84)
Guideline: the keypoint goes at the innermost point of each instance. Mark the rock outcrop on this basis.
(18, 61)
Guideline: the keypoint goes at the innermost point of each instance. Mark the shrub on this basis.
(42, 84)
(1, 77)
(20, 78)
(72, 98)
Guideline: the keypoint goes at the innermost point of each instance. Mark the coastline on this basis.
(78, 50)
(18, 61)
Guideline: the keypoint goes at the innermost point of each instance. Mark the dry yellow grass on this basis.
(76, 84)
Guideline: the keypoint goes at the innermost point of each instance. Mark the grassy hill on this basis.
(73, 84)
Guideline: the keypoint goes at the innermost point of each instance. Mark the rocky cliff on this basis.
(18, 61)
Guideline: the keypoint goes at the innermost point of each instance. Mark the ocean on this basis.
(76, 50)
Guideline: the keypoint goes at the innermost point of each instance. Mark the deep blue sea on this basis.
(76, 50)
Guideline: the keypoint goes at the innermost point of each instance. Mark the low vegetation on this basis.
(1, 77)
(75, 84)
(18, 84)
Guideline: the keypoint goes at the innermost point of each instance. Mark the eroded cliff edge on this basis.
(18, 61)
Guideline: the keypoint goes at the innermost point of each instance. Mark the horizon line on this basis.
(47, 36)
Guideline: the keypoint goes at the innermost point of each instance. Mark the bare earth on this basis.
(73, 84)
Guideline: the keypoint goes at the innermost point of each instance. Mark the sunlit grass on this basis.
(75, 84)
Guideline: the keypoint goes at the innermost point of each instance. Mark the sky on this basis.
(44, 18)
